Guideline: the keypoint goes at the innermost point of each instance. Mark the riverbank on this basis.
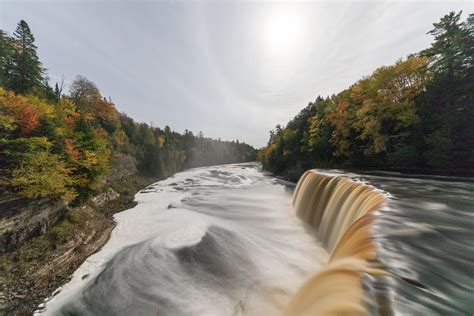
(32, 272)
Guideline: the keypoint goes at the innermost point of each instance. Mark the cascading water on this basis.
(332, 204)
(225, 241)
(402, 251)
(340, 210)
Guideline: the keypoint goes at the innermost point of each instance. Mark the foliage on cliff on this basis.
(415, 114)
(61, 145)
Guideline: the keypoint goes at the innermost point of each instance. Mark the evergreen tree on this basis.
(447, 52)
(447, 106)
(57, 92)
(6, 51)
(25, 71)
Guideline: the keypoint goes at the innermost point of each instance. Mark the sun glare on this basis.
(283, 32)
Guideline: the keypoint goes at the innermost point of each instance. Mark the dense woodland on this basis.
(54, 144)
(417, 114)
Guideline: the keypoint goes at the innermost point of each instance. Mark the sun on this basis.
(283, 31)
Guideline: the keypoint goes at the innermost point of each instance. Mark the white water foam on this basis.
(246, 214)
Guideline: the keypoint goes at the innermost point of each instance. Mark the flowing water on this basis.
(209, 241)
(425, 238)
(225, 240)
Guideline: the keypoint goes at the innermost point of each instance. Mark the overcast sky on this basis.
(230, 69)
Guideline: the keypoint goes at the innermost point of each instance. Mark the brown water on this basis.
(423, 239)
(342, 213)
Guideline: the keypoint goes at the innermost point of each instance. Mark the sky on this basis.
(231, 69)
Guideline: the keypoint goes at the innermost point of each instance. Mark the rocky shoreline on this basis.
(33, 271)
(40, 281)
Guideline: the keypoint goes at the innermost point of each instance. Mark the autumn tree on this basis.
(43, 174)
(415, 114)
(54, 145)
(317, 139)
(84, 93)
(387, 111)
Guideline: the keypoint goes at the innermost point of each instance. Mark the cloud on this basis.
(207, 66)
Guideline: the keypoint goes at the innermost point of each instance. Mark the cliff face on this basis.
(43, 241)
(22, 219)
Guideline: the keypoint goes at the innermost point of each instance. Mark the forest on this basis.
(60, 145)
(416, 115)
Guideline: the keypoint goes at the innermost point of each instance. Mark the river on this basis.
(224, 240)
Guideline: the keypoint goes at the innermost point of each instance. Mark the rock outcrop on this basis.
(22, 219)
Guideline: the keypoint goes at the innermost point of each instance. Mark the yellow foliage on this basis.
(43, 174)
(43, 107)
(161, 140)
(380, 108)
(89, 159)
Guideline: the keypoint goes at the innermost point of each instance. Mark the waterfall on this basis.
(342, 213)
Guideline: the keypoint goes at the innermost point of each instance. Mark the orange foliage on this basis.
(69, 148)
(71, 119)
(106, 112)
(25, 114)
(27, 118)
(264, 155)
(88, 117)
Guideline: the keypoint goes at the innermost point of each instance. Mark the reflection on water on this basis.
(224, 241)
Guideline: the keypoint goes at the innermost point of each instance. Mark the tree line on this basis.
(54, 144)
(417, 114)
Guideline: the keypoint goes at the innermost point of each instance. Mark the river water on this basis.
(224, 240)
(209, 241)
(425, 238)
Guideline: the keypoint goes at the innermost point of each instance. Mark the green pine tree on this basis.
(6, 52)
(25, 72)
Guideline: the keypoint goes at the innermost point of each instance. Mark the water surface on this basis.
(224, 241)
(209, 241)
(425, 237)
